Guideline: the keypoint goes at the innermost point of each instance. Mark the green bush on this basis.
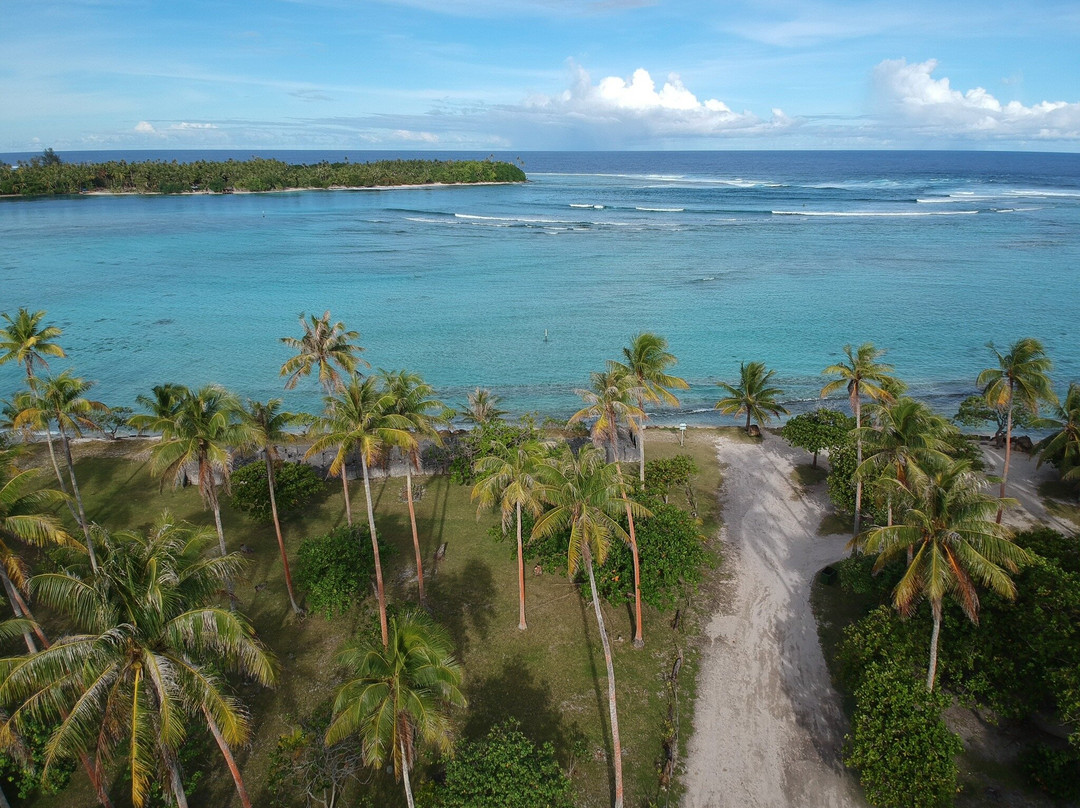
(333, 569)
(817, 430)
(905, 754)
(1054, 770)
(24, 772)
(294, 486)
(664, 473)
(507, 769)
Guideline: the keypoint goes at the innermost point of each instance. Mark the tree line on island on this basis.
(49, 175)
(152, 641)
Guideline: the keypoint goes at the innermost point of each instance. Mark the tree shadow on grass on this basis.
(515, 692)
(463, 602)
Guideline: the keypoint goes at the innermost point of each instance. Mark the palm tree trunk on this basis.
(78, 498)
(405, 775)
(521, 574)
(616, 745)
(932, 672)
(747, 420)
(277, 530)
(15, 602)
(415, 535)
(221, 539)
(229, 760)
(375, 550)
(18, 605)
(639, 639)
(1008, 454)
(641, 443)
(59, 476)
(177, 783)
(345, 488)
(856, 405)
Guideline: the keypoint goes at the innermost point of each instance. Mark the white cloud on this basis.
(145, 128)
(914, 97)
(637, 107)
(184, 126)
(410, 136)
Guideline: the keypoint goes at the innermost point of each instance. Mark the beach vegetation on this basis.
(1061, 448)
(334, 569)
(325, 347)
(482, 407)
(25, 340)
(975, 412)
(295, 485)
(303, 765)
(817, 430)
(752, 395)
(39, 176)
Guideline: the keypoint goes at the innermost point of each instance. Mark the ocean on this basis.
(782, 257)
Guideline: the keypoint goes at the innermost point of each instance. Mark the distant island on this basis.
(50, 176)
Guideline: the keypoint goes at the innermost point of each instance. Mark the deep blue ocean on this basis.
(781, 257)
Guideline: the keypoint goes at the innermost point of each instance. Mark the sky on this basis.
(539, 74)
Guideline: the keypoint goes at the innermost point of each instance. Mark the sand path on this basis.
(768, 727)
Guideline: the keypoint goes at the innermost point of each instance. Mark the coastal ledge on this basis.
(51, 177)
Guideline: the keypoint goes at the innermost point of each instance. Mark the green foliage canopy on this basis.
(295, 485)
(816, 430)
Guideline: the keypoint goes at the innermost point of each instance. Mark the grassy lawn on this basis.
(551, 677)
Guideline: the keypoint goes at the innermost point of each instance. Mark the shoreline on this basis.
(244, 192)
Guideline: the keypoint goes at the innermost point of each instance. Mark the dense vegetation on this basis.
(45, 178)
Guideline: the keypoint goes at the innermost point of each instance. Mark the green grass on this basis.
(806, 476)
(1060, 500)
(551, 677)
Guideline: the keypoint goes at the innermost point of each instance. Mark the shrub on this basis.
(663, 473)
(25, 773)
(507, 769)
(294, 485)
(820, 429)
(334, 568)
(1056, 771)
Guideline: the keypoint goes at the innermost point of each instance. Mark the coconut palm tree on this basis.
(586, 495)
(142, 664)
(62, 400)
(903, 437)
(201, 432)
(752, 395)
(270, 426)
(161, 403)
(862, 373)
(482, 406)
(514, 483)
(1062, 447)
(957, 546)
(413, 399)
(25, 341)
(323, 346)
(1020, 379)
(397, 695)
(358, 419)
(647, 359)
(610, 399)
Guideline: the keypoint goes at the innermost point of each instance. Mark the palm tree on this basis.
(24, 341)
(752, 395)
(1062, 448)
(142, 666)
(903, 438)
(514, 483)
(861, 374)
(269, 426)
(358, 418)
(397, 694)
(62, 400)
(203, 428)
(585, 493)
(1021, 378)
(609, 400)
(482, 406)
(957, 545)
(647, 360)
(162, 403)
(323, 346)
(412, 398)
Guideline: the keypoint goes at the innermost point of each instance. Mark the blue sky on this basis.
(539, 74)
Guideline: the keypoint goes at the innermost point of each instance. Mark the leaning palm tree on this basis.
(142, 665)
(62, 400)
(269, 426)
(25, 341)
(413, 399)
(1020, 379)
(752, 395)
(862, 373)
(586, 495)
(957, 545)
(204, 428)
(647, 359)
(397, 695)
(25, 414)
(326, 347)
(358, 419)
(1062, 446)
(513, 482)
(611, 399)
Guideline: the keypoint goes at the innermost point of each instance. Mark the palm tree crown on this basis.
(610, 399)
(23, 340)
(482, 406)
(752, 395)
(1062, 447)
(323, 346)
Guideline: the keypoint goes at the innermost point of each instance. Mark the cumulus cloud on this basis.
(145, 128)
(410, 136)
(638, 107)
(932, 106)
(184, 126)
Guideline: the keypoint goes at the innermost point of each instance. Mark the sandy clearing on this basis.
(768, 727)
